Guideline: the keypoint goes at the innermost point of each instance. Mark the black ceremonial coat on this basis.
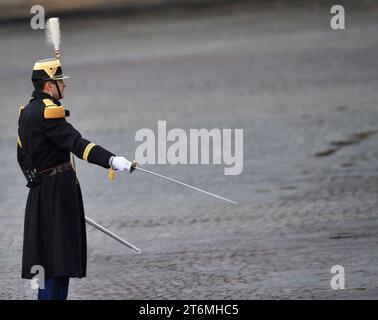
(54, 227)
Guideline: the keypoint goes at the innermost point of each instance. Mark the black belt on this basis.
(57, 169)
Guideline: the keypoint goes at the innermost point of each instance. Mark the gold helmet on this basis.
(48, 69)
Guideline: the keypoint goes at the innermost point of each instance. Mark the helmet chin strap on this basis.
(57, 88)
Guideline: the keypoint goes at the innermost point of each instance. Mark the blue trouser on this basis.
(55, 289)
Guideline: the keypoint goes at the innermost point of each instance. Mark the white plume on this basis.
(53, 33)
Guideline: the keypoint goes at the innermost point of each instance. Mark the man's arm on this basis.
(66, 136)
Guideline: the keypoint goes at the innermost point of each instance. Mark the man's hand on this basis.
(122, 164)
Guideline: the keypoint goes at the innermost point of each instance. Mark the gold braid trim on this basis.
(19, 142)
(88, 149)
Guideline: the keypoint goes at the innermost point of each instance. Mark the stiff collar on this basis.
(43, 95)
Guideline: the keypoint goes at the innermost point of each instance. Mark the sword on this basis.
(134, 167)
(111, 234)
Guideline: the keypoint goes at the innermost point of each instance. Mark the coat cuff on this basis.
(100, 156)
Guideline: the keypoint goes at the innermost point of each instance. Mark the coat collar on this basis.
(37, 94)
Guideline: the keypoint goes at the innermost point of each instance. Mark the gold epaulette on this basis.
(53, 111)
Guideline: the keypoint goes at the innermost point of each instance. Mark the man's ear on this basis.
(46, 87)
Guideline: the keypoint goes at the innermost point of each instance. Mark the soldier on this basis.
(54, 228)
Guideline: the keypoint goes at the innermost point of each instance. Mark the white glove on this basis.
(120, 163)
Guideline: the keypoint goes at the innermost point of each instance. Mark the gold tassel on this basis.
(111, 175)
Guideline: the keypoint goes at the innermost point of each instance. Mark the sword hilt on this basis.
(133, 166)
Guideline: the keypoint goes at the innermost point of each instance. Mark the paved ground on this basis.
(306, 97)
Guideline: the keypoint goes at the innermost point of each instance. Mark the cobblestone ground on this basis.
(306, 97)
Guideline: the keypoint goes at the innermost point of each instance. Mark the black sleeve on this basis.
(66, 136)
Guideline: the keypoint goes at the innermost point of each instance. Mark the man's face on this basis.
(51, 89)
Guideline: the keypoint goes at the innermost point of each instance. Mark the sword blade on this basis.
(111, 234)
(185, 185)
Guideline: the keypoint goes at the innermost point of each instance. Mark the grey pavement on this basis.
(305, 96)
